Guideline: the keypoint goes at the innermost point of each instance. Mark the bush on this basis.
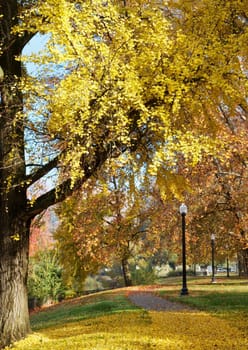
(91, 283)
(142, 273)
(176, 273)
(44, 279)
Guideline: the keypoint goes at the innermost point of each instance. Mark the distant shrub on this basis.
(91, 283)
(143, 274)
(44, 279)
(176, 273)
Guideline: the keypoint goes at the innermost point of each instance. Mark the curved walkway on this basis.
(150, 301)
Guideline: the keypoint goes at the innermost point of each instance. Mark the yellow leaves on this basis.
(171, 185)
(187, 145)
(1, 73)
(137, 330)
(15, 237)
(137, 67)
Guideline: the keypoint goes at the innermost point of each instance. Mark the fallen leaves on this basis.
(141, 330)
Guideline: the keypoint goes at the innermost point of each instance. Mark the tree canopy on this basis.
(148, 77)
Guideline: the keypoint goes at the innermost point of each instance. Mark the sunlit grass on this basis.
(227, 298)
(82, 308)
(108, 321)
(225, 295)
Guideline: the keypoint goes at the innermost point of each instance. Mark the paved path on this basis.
(150, 301)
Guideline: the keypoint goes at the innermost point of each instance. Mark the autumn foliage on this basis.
(139, 74)
(144, 81)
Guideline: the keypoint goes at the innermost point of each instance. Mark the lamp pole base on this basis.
(184, 291)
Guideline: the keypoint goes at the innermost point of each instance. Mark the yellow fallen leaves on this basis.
(141, 330)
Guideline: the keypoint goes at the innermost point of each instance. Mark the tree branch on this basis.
(100, 154)
(65, 189)
(56, 195)
(32, 178)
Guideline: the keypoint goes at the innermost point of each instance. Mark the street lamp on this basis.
(183, 211)
(227, 261)
(212, 245)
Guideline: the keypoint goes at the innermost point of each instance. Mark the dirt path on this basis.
(150, 301)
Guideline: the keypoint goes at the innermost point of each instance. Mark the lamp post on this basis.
(227, 267)
(183, 211)
(227, 261)
(212, 245)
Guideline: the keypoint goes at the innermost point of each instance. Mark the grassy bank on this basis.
(79, 309)
(227, 298)
(108, 321)
(227, 295)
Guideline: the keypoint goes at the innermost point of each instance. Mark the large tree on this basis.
(142, 77)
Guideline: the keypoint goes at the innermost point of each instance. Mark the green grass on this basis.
(227, 295)
(227, 298)
(217, 302)
(83, 308)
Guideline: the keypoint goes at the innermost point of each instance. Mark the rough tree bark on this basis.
(14, 226)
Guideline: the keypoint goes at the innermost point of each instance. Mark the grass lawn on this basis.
(83, 308)
(227, 295)
(227, 298)
(108, 321)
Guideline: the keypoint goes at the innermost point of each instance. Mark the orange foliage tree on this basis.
(107, 221)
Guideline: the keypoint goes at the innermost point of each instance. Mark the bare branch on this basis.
(32, 178)
(108, 222)
(65, 189)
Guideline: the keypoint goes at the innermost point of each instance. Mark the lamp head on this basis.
(183, 209)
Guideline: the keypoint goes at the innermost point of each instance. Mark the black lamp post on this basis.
(227, 261)
(227, 267)
(213, 246)
(183, 211)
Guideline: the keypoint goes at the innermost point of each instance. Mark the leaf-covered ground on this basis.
(140, 330)
(111, 323)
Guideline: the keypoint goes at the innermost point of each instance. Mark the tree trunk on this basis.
(126, 273)
(14, 317)
(243, 262)
(14, 224)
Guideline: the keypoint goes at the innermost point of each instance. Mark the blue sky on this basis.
(36, 44)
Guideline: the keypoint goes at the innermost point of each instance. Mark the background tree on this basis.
(105, 223)
(153, 88)
(41, 232)
(218, 199)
